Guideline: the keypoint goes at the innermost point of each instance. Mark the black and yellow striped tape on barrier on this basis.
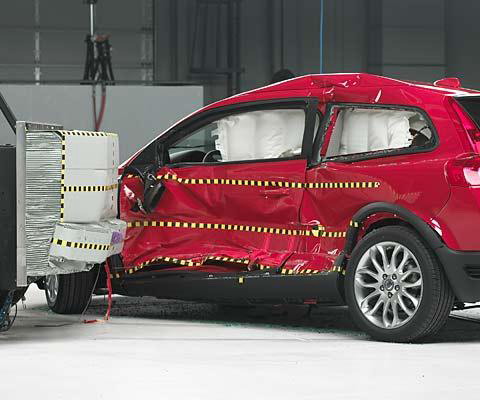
(62, 180)
(81, 245)
(262, 183)
(91, 188)
(86, 133)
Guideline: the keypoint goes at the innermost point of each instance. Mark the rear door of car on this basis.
(235, 214)
(350, 172)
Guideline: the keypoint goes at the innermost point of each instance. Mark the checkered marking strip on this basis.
(244, 261)
(82, 245)
(180, 261)
(86, 133)
(280, 184)
(62, 180)
(316, 231)
(309, 271)
(95, 188)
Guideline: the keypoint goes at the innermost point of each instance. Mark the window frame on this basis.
(187, 127)
(349, 158)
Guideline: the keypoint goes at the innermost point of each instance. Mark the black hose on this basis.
(8, 113)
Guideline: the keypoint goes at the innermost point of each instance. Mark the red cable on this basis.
(94, 103)
(109, 306)
(103, 103)
(109, 289)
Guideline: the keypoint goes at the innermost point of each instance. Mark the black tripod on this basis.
(98, 65)
(98, 68)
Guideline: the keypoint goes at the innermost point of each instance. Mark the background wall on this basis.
(154, 40)
(137, 114)
(50, 34)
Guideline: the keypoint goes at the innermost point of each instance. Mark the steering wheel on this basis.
(209, 156)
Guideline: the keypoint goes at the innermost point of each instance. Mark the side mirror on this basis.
(154, 189)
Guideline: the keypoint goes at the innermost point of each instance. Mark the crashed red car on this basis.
(328, 189)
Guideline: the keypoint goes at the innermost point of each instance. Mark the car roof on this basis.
(349, 82)
(355, 81)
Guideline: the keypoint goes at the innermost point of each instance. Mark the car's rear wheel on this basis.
(70, 293)
(395, 288)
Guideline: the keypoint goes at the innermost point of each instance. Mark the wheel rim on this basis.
(51, 287)
(388, 285)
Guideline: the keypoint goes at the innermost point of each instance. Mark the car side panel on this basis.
(459, 220)
(412, 181)
(220, 210)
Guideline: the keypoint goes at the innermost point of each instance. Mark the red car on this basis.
(323, 189)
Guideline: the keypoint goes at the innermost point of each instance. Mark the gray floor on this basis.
(176, 350)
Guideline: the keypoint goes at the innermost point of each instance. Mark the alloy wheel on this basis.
(388, 285)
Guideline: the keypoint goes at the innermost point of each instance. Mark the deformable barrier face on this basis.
(70, 201)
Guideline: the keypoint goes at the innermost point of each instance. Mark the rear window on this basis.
(471, 106)
(360, 130)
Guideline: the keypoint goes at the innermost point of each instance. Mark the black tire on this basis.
(436, 300)
(74, 292)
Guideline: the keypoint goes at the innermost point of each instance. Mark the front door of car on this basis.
(234, 181)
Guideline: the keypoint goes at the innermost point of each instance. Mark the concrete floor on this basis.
(174, 350)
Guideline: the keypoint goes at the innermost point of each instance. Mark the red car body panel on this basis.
(276, 207)
(417, 182)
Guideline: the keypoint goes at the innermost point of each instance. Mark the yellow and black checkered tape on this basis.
(263, 183)
(343, 185)
(185, 262)
(81, 245)
(86, 133)
(93, 188)
(234, 182)
(316, 231)
(311, 271)
(62, 180)
(199, 262)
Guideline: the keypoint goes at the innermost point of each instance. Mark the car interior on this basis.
(254, 135)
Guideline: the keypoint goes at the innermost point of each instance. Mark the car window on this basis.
(472, 106)
(358, 130)
(201, 139)
(253, 135)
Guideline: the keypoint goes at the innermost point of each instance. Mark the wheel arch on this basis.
(380, 214)
(377, 215)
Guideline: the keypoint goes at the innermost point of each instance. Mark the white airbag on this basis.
(371, 130)
(260, 135)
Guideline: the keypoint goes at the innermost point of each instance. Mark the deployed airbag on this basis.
(260, 135)
(364, 130)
